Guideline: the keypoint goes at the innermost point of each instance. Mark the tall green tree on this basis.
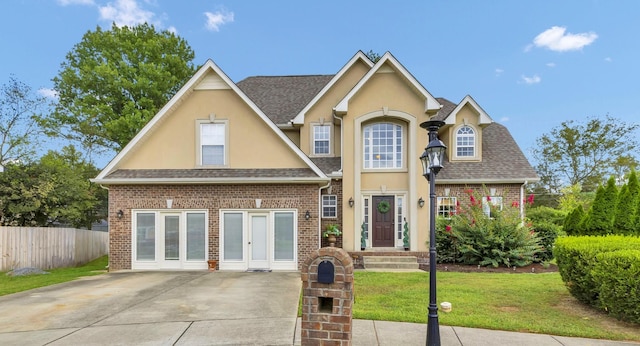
(53, 191)
(585, 153)
(573, 221)
(602, 213)
(624, 213)
(114, 81)
(19, 111)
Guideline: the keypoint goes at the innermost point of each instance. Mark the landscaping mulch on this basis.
(535, 268)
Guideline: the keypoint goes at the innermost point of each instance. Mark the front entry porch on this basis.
(389, 255)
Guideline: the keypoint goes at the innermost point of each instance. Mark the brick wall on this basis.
(336, 189)
(211, 197)
(509, 192)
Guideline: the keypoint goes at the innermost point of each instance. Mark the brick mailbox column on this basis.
(327, 284)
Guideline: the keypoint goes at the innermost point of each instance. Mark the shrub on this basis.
(617, 274)
(547, 233)
(546, 214)
(445, 241)
(576, 257)
(573, 221)
(473, 237)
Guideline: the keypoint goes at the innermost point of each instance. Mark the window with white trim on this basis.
(491, 203)
(329, 206)
(212, 144)
(321, 139)
(447, 206)
(382, 146)
(465, 142)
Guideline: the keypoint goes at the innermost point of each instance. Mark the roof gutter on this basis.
(187, 181)
(486, 181)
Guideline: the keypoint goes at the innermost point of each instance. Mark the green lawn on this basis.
(535, 303)
(9, 284)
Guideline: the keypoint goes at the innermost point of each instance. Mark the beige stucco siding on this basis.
(322, 111)
(172, 142)
(385, 97)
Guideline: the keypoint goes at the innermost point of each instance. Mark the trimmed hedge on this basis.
(617, 274)
(578, 256)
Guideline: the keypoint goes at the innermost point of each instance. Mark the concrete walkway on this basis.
(203, 308)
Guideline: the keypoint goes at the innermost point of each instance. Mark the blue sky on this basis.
(529, 64)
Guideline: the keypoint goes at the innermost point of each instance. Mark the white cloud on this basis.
(172, 29)
(504, 119)
(551, 64)
(499, 71)
(126, 13)
(217, 19)
(608, 59)
(75, 2)
(555, 39)
(48, 93)
(535, 79)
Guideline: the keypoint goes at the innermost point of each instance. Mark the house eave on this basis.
(223, 181)
(487, 181)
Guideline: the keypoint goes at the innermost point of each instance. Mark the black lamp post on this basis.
(432, 159)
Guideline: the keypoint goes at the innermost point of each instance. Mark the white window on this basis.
(212, 144)
(491, 203)
(329, 206)
(465, 142)
(321, 140)
(383, 146)
(447, 206)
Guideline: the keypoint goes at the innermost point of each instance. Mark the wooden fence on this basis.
(48, 247)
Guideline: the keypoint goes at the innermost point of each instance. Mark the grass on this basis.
(532, 303)
(10, 284)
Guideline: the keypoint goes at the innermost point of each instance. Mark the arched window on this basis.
(382, 146)
(465, 142)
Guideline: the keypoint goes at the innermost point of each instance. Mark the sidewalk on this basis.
(371, 333)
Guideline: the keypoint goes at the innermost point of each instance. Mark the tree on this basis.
(114, 81)
(19, 108)
(53, 191)
(602, 212)
(573, 221)
(373, 56)
(585, 153)
(625, 210)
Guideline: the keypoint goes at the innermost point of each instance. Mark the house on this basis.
(250, 173)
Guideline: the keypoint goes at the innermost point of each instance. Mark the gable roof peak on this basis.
(431, 103)
(450, 118)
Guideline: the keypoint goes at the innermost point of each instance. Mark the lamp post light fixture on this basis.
(432, 160)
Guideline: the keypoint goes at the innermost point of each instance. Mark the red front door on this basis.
(383, 221)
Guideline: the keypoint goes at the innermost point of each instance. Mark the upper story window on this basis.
(465, 142)
(329, 206)
(383, 146)
(212, 145)
(321, 139)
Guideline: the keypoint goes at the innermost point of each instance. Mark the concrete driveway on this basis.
(156, 308)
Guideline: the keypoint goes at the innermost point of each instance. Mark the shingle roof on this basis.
(502, 159)
(211, 173)
(328, 164)
(447, 108)
(281, 98)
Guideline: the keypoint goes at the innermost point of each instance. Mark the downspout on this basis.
(522, 199)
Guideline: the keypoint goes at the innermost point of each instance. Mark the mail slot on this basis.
(325, 272)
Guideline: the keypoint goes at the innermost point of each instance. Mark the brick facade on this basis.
(509, 192)
(213, 198)
(336, 189)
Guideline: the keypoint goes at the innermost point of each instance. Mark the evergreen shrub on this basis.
(577, 256)
(617, 275)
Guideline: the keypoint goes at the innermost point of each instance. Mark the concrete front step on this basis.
(390, 262)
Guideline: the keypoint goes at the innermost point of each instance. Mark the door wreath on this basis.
(383, 207)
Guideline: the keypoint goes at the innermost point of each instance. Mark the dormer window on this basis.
(465, 142)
